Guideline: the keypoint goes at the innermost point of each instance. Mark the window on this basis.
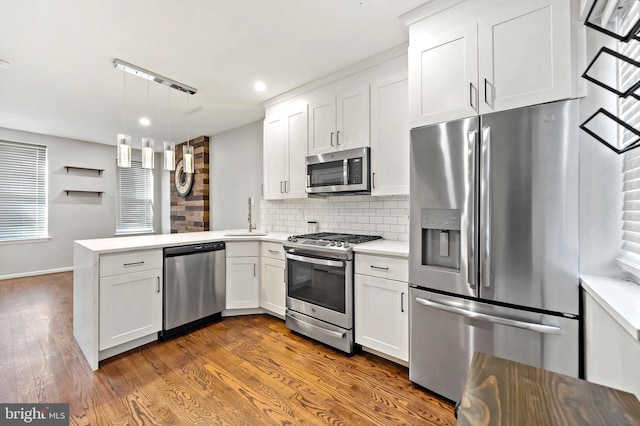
(134, 199)
(23, 191)
(629, 111)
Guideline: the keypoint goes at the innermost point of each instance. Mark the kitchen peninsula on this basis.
(136, 258)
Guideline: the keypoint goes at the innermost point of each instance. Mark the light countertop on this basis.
(143, 242)
(384, 248)
(620, 298)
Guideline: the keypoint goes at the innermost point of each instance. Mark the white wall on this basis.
(235, 175)
(72, 217)
(600, 182)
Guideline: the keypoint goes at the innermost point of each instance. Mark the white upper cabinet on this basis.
(338, 121)
(443, 71)
(491, 55)
(390, 135)
(274, 157)
(322, 124)
(297, 137)
(525, 54)
(285, 149)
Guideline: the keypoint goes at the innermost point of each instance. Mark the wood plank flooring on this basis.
(247, 370)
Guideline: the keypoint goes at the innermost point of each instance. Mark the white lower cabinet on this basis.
(611, 352)
(272, 279)
(243, 275)
(130, 307)
(382, 313)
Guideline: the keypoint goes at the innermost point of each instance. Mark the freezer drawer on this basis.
(445, 332)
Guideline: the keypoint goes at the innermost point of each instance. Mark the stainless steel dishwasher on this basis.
(194, 286)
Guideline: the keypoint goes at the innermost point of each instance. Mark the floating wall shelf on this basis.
(79, 191)
(84, 169)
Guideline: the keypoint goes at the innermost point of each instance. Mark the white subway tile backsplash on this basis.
(360, 214)
(391, 220)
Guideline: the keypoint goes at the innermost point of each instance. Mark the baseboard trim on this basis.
(34, 273)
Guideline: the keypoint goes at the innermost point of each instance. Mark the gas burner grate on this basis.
(334, 236)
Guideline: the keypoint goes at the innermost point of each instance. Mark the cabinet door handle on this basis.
(281, 191)
(126, 265)
(338, 137)
(274, 251)
(486, 101)
(158, 285)
(286, 186)
(373, 179)
(379, 267)
(471, 95)
(331, 138)
(402, 302)
(254, 269)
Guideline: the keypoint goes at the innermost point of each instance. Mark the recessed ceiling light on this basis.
(4, 64)
(145, 121)
(260, 86)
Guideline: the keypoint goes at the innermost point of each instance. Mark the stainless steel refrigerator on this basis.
(493, 264)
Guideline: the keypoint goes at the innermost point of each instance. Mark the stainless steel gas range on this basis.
(320, 286)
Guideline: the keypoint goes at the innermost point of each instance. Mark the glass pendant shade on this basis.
(124, 150)
(187, 154)
(169, 156)
(147, 153)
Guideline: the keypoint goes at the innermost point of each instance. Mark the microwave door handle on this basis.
(345, 171)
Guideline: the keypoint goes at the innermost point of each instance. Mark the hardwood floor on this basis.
(246, 370)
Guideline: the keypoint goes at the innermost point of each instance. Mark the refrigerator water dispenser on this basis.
(441, 238)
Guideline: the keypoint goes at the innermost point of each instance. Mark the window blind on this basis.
(23, 191)
(629, 111)
(134, 199)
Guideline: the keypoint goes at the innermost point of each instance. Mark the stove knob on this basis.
(333, 243)
(294, 240)
(338, 244)
(290, 238)
(346, 244)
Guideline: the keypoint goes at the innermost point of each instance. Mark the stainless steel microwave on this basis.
(339, 172)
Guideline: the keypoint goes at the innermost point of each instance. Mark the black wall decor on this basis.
(602, 115)
(631, 34)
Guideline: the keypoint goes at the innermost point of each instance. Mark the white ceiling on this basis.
(61, 80)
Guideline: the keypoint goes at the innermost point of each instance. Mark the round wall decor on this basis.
(183, 180)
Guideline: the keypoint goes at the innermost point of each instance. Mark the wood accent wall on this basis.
(191, 213)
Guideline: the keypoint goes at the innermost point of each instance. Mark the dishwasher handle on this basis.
(194, 249)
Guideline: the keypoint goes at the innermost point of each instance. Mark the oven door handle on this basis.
(323, 262)
(311, 327)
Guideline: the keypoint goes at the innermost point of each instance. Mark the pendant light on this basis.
(123, 142)
(187, 150)
(169, 146)
(148, 153)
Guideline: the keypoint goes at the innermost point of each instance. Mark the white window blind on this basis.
(629, 111)
(134, 199)
(23, 191)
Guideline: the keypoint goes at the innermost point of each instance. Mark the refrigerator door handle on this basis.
(472, 136)
(532, 326)
(485, 214)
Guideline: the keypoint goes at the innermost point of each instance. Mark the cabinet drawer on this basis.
(272, 250)
(132, 261)
(393, 268)
(242, 249)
